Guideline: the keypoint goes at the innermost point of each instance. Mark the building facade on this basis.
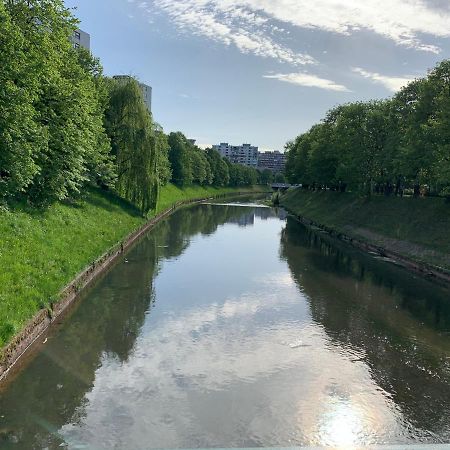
(81, 39)
(244, 154)
(146, 90)
(274, 161)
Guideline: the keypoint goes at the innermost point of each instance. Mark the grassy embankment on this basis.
(43, 250)
(417, 228)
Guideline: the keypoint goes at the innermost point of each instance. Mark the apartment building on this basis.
(81, 39)
(274, 161)
(244, 154)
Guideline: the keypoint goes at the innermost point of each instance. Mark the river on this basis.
(233, 325)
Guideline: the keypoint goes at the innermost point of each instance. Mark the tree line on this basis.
(384, 146)
(64, 125)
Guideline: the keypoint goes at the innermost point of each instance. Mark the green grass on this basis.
(43, 250)
(171, 194)
(418, 228)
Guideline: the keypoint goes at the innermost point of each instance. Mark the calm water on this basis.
(233, 326)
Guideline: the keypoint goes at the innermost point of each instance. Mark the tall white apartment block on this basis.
(81, 39)
(245, 154)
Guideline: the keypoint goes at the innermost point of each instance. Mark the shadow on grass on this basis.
(110, 201)
(94, 196)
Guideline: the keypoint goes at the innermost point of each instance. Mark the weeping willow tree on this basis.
(134, 142)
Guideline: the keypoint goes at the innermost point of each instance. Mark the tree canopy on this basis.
(381, 146)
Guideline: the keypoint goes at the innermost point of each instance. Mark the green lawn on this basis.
(171, 194)
(418, 227)
(43, 250)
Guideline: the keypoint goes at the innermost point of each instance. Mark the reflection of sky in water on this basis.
(231, 357)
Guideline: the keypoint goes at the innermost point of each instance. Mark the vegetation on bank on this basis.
(389, 146)
(42, 250)
(414, 227)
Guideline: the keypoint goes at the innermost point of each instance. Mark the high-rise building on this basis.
(244, 154)
(81, 39)
(274, 161)
(146, 90)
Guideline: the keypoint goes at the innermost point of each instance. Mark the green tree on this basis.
(180, 159)
(266, 176)
(219, 168)
(21, 137)
(439, 124)
(162, 150)
(134, 139)
(61, 106)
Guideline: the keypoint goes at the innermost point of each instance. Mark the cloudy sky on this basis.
(263, 71)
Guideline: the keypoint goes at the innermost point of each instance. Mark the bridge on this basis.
(281, 186)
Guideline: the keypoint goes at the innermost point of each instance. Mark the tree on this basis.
(219, 168)
(266, 176)
(21, 137)
(439, 124)
(134, 139)
(381, 146)
(162, 153)
(180, 160)
(59, 143)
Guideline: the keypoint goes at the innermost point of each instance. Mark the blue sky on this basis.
(263, 71)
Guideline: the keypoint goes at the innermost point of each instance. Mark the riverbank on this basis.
(41, 251)
(411, 229)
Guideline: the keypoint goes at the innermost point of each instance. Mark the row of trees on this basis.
(190, 165)
(381, 146)
(64, 125)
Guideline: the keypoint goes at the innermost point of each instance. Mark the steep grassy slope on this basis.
(43, 250)
(418, 228)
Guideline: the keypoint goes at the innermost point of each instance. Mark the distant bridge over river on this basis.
(282, 186)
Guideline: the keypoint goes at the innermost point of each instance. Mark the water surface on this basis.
(235, 326)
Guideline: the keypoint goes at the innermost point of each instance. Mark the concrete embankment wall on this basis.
(413, 233)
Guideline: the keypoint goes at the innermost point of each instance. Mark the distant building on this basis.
(81, 39)
(244, 220)
(274, 161)
(244, 154)
(146, 90)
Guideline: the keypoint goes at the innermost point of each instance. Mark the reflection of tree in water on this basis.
(51, 391)
(399, 323)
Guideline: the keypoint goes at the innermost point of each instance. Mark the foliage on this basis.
(134, 142)
(266, 176)
(381, 146)
(52, 117)
(180, 160)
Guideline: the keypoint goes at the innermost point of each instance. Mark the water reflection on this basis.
(400, 323)
(212, 334)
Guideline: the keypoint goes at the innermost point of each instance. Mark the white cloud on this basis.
(249, 24)
(231, 24)
(393, 84)
(402, 21)
(308, 80)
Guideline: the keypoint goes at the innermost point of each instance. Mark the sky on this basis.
(263, 71)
